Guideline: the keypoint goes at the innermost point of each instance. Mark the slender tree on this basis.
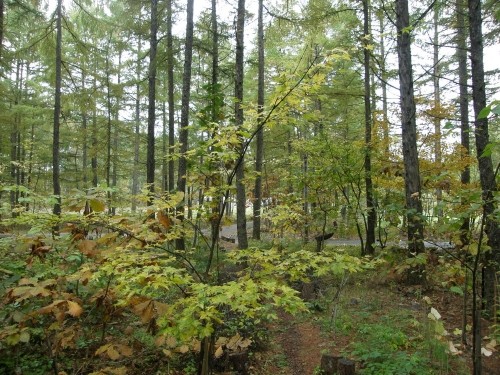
(137, 122)
(383, 84)
(241, 221)
(463, 77)
(437, 108)
(487, 173)
(259, 144)
(57, 113)
(183, 132)
(170, 95)
(371, 220)
(153, 44)
(415, 227)
(2, 8)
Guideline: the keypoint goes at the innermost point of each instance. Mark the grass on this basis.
(387, 332)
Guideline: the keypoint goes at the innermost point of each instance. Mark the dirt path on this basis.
(301, 343)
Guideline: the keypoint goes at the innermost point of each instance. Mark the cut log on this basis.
(324, 237)
(228, 239)
(346, 367)
(239, 362)
(329, 364)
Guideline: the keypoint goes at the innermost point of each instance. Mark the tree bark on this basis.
(93, 161)
(370, 200)
(2, 8)
(486, 170)
(85, 132)
(383, 74)
(416, 275)
(57, 114)
(150, 159)
(241, 221)
(463, 77)
(170, 95)
(109, 128)
(183, 133)
(437, 110)
(137, 121)
(259, 142)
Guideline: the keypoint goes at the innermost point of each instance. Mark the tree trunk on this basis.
(241, 221)
(416, 275)
(183, 132)
(57, 114)
(108, 128)
(116, 116)
(461, 56)
(259, 146)
(84, 133)
(137, 120)
(370, 200)
(437, 112)
(14, 144)
(2, 7)
(385, 116)
(486, 170)
(94, 129)
(150, 159)
(463, 77)
(215, 117)
(170, 95)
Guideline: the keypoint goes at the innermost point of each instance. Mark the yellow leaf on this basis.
(24, 336)
(491, 345)
(452, 349)
(126, 350)
(171, 342)
(434, 314)
(102, 349)
(113, 353)
(74, 309)
(183, 349)
(97, 205)
(218, 353)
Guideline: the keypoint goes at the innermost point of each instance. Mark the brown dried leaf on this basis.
(164, 220)
(125, 350)
(88, 247)
(102, 349)
(74, 309)
(145, 311)
(219, 352)
(113, 353)
(182, 349)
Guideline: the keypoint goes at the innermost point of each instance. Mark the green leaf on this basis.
(456, 289)
(97, 205)
(496, 110)
(488, 151)
(449, 126)
(484, 113)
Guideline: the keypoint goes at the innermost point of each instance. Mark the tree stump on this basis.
(329, 364)
(239, 362)
(308, 291)
(346, 367)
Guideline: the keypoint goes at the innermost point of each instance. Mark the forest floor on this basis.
(296, 344)
(361, 318)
